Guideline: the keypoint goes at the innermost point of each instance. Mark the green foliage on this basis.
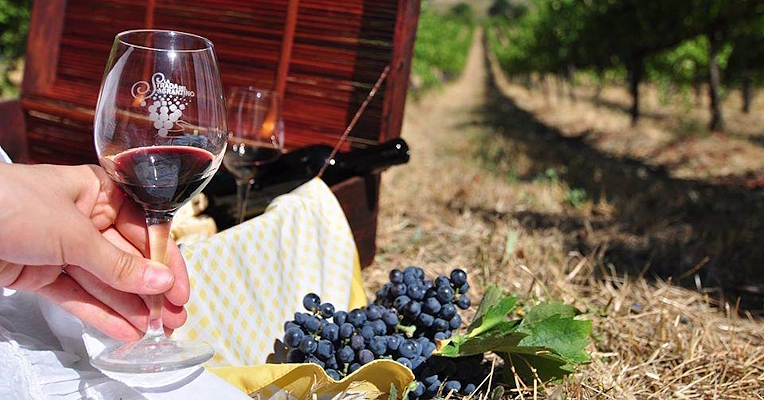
(547, 343)
(576, 197)
(14, 25)
(442, 43)
(667, 42)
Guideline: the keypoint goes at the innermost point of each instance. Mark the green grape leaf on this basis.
(464, 345)
(546, 343)
(493, 311)
(545, 310)
(563, 335)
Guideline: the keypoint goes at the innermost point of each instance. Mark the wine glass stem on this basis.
(158, 224)
(242, 194)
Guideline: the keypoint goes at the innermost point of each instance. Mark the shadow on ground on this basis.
(659, 225)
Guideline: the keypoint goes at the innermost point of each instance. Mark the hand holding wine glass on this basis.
(160, 133)
(256, 138)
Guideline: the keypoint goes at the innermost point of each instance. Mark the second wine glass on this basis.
(256, 137)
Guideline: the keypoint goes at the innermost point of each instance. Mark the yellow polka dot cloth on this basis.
(248, 280)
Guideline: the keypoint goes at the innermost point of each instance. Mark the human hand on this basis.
(68, 234)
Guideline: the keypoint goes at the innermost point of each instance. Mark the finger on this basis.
(181, 290)
(127, 236)
(65, 292)
(130, 306)
(127, 272)
(31, 278)
(9, 272)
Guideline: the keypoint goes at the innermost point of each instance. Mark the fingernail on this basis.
(157, 277)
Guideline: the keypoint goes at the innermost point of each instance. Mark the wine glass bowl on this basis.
(256, 137)
(160, 133)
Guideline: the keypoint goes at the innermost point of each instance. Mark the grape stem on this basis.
(406, 328)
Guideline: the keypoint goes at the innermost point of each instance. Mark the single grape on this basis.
(398, 289)
(425, 320)
(458, 277)
(290, 324)
(331, 363)
(464, 288)
(417, 362)
(408, 349)
(393, 342)
(440, 325)
(405, 361)
(345, 354)
(447, 311)
(390, 317)
(469, 388)
(373, 312)
(353, 367)
(396, 276)
(441, 336)
(300, 318)
(346, 330)
(293, 337)
(325, 349)
(340, 317)
(357, 317)
(365, 356)
(419, 390)
(463, 302)
(445, 294)
(312, 323)
(430, 379)
(401, 302)
(308, 345)
(378, 345)
(455, 322)
(367, 332)
(327, 310)
(379, 326)
(441, 281)
(415, 292)
(311, 301)
(332, 373)
(412, 309)
(433, 388)
(427, 349)
(452, 386)
(314, 360)
(330, 332)
(431, 305)
(357, 342)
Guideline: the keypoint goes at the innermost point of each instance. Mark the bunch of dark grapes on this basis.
(402, 324)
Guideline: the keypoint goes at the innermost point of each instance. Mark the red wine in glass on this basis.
(162, 178)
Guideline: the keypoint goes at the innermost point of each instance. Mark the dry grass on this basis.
(450, 207)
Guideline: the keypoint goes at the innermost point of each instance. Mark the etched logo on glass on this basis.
(165, 100)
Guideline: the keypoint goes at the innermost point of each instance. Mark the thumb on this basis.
(120, 269)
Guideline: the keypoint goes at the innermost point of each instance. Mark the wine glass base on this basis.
(152, 356)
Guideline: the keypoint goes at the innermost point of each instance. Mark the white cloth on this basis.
(42, 356)
(4, 157)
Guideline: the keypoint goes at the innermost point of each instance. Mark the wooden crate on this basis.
(339, 50)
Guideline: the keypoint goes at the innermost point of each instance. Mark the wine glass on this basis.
(256, 137)
(160, 133)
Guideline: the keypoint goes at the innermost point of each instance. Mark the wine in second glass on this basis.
(160, 133)
(255, 140)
